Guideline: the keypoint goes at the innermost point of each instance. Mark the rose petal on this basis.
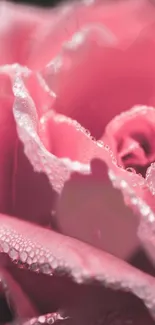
(95, 59)
(20, 27)
(84, 303)
(70, 18)
(82, 262)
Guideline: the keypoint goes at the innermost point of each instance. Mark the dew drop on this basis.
(41, 259)
(29, 260)
(114, 160)
(34, 267)
(5, 247)
(93, 139)
(54, 263)
(134, 201)
(151, 217)
(130, 170)
(31, 254)
(35, 259)
(123, 184)
(87, 132)
(41, 319)
(23, 256)
(13, 254)
(100, 143)
(50, 320)
(145, 210)
(107, 147)
(45, 268)
(17, 246)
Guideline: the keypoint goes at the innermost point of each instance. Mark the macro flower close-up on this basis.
(77, 163)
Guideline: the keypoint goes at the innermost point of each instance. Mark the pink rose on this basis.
(59, 69)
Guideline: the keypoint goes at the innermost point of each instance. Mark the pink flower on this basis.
(65, 71)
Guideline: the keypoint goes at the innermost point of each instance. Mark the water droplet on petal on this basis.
(41, 319)
(5, 247)
(23, 256)
(130, 170)
(13, 254)
(151, 217)
(45, 268)
(107, 147)
(87, 132)
(100, 143)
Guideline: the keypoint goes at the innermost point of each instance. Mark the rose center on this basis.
(135, 151)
